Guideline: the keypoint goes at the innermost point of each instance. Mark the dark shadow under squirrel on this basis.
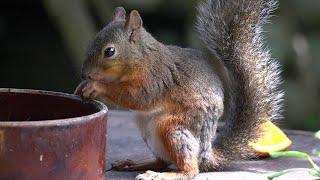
(181, 93)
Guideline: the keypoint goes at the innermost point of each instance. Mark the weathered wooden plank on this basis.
(124, 142)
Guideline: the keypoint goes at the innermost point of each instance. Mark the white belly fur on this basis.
(146, 124)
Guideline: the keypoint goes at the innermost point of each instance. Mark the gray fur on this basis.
(231, 30)
(207, 161)
(187, 145)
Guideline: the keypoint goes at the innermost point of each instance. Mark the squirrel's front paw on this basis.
(80, 87)
(92, 90)
(123, 165)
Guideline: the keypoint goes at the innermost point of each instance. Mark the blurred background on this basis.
(43, 44)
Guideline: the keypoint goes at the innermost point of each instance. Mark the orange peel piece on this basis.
(272, 140)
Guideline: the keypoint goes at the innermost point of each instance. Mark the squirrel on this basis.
(181, 93)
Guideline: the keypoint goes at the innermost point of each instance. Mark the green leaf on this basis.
(311, 171)
(317, 152)
(295, 154)
(314, 172)
(317, 135)
(288, 154)
(277, 174)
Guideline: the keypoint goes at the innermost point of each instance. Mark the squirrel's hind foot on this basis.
(151, 175)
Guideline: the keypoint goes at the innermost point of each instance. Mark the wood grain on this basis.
(124, 142)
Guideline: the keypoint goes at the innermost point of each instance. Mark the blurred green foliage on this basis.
(43, 44)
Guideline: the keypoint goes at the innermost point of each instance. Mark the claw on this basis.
(91, 90)
(122, 165)
(149, 175)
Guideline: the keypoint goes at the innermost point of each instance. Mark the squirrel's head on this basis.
(117, 51)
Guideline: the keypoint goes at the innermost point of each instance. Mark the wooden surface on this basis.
(124, 142)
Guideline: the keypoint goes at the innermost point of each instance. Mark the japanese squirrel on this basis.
(181, 93)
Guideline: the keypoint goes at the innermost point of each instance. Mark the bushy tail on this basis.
(231, 30)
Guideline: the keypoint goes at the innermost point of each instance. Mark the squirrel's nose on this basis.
(86, 76)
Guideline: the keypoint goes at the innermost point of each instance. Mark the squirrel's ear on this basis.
(133, 25)
(119, 14)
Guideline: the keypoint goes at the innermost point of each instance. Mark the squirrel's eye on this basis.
(108, 52)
